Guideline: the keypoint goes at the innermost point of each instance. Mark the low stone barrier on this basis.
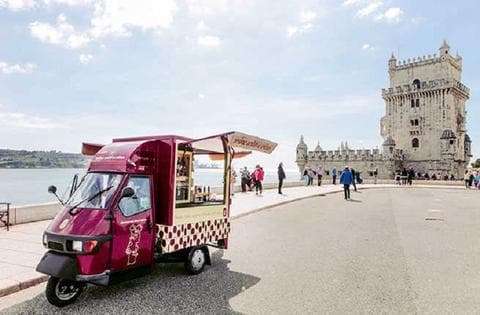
(25, 214)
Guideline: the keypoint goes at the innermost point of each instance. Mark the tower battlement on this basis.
(426, 60)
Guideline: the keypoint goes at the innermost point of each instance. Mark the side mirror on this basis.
(52, 189)
(128, 192)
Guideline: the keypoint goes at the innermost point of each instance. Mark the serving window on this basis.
(198, 187)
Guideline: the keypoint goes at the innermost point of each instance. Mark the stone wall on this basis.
(365, 167)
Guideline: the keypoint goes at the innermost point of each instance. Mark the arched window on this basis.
(415, 143)
(416, 82)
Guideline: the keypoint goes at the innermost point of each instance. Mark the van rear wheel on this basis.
(62, 292)
(196, 260)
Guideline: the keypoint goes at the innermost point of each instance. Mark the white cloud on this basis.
(210, 7)
(291, 30)
(209, 41)
(6, 68)
(391, 15)
(118, 16)
(22, 120)
(350, 2)
(369, 9)
(297, 30)
(85, 58)
(17, 5)
(367, 47)
(375, 10)
(110, 17)
(63, 33)
(306, 19)
(69, 2)
(202, 27)
(307, 16)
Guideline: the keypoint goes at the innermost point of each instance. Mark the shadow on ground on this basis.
(167, 290)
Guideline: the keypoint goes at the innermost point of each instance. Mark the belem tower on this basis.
(423, 126)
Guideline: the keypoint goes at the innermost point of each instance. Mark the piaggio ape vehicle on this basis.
(136, 205)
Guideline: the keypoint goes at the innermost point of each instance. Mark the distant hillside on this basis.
(40, 159)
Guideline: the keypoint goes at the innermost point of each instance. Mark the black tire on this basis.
(62, 292)
(195, 260)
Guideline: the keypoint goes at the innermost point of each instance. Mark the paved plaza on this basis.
(403, 250)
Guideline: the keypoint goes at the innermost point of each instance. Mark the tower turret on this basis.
(302, 155)
(389, 147)
(444, 49)
(392, 62)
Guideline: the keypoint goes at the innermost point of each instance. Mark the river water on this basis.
(29, 186)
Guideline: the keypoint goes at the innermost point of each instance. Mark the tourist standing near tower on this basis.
(320, 175)
(353, 179)
(258, 178)
(245, 179)
(346, 179)
(334, 175)
(466, 178)
(281, 177)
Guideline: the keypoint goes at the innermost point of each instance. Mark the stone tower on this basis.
(425, 113)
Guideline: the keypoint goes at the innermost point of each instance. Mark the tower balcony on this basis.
(426, 86)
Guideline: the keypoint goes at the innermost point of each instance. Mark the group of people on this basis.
(472, 178)
(347, 177)
(310, 174)
(433, 176)
(405, 176)
(252, 180)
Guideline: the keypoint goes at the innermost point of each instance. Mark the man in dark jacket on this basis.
(354, 174)
(346, 179)
(281, 177)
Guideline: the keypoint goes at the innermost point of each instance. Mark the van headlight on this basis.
(77, 246)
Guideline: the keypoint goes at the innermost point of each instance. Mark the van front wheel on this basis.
(62, 292)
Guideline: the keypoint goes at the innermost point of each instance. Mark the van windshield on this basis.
(92, 184)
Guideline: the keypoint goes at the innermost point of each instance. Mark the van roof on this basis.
(146, 138)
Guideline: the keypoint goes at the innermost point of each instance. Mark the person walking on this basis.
(310, 177)
(245, 177)
(375, 176)
(411, 175)
(466, 178)
(478, 179)
(258, 178)
(353, 178)
(334, 175)
(404, 176)
(305, 176)
(281, 177)
(346, 180)
(319, 175)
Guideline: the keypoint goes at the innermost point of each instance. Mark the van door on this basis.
(133, 226)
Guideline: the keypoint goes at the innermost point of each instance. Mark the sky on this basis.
(74, 71)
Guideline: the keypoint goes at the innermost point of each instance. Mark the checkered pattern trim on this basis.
(177, 237)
